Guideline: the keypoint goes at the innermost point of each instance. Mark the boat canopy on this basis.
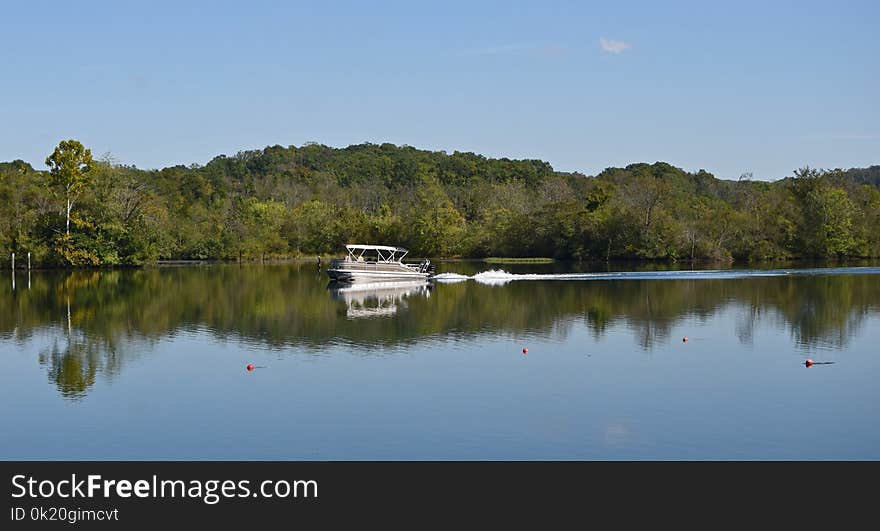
(385, 253)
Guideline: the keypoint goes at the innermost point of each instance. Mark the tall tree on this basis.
(69, 168)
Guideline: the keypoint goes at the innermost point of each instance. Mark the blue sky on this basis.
(731, 87)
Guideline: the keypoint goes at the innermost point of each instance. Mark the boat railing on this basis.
(367, 265)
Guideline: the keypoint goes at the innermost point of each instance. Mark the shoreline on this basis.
(494, 261)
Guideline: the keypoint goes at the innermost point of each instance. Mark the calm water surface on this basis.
(151, 364)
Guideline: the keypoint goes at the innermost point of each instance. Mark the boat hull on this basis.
(352, 275)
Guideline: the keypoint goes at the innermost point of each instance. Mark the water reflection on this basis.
(94, 319)
(366, 300)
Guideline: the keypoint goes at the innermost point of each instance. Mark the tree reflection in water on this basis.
(94, 317)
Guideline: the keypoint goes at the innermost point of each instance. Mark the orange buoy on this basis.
(250, 367)
(809, 362)
(525, 350)
(684, 339)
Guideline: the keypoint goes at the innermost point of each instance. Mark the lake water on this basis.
(151, 364)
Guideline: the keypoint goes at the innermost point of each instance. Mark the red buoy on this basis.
(250, 367)
(809, 362)
(525, 350)
(684, 339)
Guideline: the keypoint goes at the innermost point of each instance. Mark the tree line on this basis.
(295, 201)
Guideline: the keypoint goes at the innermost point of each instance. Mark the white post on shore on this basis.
(29, 261)
(13, 261)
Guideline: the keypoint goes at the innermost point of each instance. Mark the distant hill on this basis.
(869, 175)
(311, 199)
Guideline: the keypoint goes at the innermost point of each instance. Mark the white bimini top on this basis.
(386, 253)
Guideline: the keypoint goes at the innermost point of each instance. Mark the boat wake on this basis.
(498, 277)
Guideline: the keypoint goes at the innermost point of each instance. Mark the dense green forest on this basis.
(294, 201)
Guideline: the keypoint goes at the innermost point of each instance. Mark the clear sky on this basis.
(731, 87)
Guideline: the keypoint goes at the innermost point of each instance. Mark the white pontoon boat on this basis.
(376, 263)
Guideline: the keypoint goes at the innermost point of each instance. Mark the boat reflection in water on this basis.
(366, 299)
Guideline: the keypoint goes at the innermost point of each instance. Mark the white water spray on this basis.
(498, 277)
